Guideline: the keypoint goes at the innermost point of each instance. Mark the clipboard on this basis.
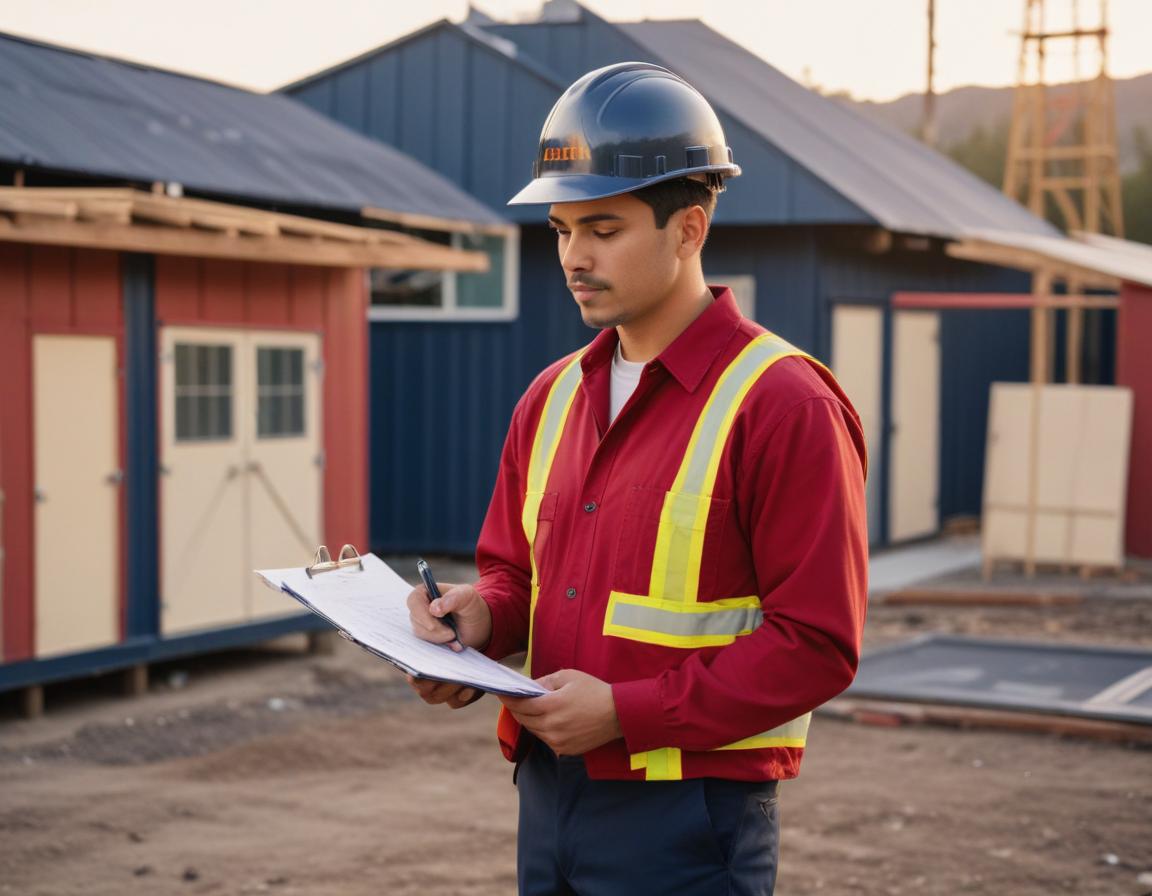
(365, 600)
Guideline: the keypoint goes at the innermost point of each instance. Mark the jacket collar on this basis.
(691, 353)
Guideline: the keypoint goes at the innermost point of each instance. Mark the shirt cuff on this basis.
(506, 636)
(641, 714)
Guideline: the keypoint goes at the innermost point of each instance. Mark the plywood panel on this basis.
(857, 361)
(915, 446)
(76, 521)
(1079, 473)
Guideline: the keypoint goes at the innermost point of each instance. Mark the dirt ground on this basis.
(276, 771)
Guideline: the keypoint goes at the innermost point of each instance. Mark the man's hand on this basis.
(577, 716)
(433, 692)
(474, 621)
(468, 609)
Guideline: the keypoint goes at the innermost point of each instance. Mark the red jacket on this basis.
(786, 523)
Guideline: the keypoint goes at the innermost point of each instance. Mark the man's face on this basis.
(619, 267)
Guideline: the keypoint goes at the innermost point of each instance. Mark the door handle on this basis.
(115, 477)
(38, 495)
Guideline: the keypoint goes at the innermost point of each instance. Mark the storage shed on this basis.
(183, 345)
(834, 214)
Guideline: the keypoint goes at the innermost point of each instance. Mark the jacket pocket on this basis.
(544, 504)
(692, 523)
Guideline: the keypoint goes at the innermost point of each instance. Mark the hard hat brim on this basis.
(556, 188)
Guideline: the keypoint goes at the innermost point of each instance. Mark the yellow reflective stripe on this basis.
(680, 539)
(663, 764)
(671, 614)
(673, 623)
(544, 444)
(793, 733)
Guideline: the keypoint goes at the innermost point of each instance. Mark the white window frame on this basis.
(449, 311)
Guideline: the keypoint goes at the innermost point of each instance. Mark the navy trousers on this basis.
(699, 837)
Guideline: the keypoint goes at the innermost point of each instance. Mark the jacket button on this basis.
(590, 506)
(571, 592)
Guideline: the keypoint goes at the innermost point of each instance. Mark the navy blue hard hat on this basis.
(624, 127)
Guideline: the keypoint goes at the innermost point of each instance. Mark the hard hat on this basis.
(624, 127)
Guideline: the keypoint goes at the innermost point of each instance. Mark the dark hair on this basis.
(670, 196)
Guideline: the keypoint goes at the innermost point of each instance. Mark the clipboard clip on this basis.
(323, 561)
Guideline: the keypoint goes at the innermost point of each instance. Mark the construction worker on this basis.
(677, 533)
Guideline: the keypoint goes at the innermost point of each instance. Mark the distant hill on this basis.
(959, 112)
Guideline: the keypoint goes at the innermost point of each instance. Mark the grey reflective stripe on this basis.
(716, 622)
(711, 425)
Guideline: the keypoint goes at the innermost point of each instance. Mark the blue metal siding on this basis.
(451, 102)
(442, 397)
(142, 464)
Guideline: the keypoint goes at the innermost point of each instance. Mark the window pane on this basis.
(184, 429)
(280, 389)
(403, 289)
(203, 393)
(184, 362)
(294, 413)
(483, 290)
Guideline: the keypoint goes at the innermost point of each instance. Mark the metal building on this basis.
(833, 214)
(183, 347)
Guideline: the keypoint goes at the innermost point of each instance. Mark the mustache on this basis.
(585, 280)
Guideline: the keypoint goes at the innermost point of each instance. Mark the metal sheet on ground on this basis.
(1066, 679)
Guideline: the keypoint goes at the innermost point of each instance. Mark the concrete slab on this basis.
(897, 568)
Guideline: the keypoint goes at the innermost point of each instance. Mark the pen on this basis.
(434, 594)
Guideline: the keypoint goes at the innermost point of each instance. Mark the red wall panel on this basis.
(268, 295)
(50, 286)
(1134, 369)
(346, 410)
(177, 289)
(16, 450)
(222, 297)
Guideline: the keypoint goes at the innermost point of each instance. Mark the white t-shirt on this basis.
(625, 377)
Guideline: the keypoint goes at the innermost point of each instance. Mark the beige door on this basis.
(284, 467)
(858, 362)
(915, 445)
(204, 521)
(242, 470)
(77, 526)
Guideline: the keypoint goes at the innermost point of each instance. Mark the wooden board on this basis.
(1079, 465)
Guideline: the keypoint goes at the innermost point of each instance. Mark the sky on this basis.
(873, 50)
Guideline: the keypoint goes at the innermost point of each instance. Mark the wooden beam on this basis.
(429, 222)
(173, 241)
(997, 300)
(1029, 260)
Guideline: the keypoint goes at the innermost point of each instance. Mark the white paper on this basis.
(370, 606)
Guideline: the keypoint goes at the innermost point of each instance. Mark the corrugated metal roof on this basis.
(79, 112)
(1118, 258)
(903, 184)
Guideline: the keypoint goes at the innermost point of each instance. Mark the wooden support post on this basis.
(1075, 336)
(1041, 286)
(32, 701)
(322, 643)
(135, 681)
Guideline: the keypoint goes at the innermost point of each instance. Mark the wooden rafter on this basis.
(135, 221)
